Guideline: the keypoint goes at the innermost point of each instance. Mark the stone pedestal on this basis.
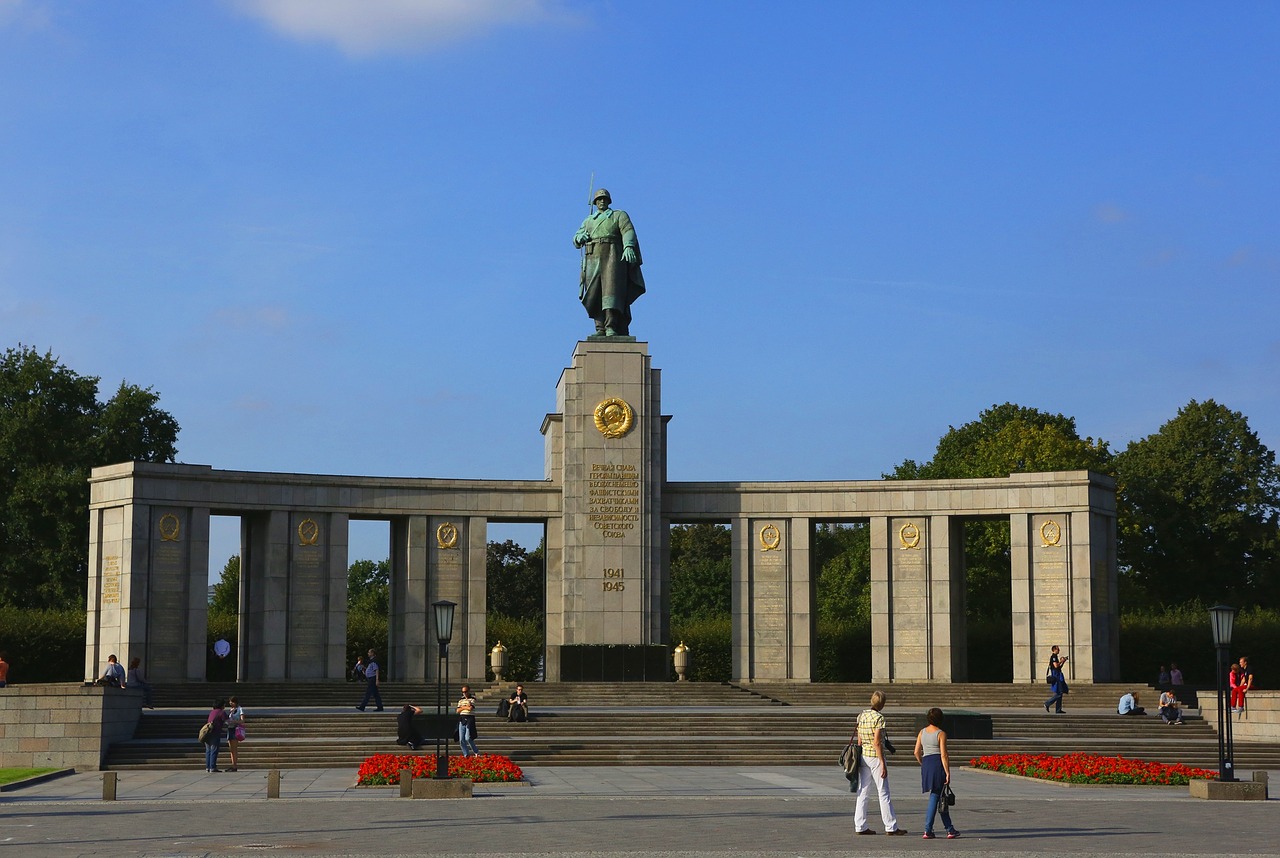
(442, 788)
(606, 448)
(1234, 791)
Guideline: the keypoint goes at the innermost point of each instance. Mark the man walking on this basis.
(371, 672)
(873, 771)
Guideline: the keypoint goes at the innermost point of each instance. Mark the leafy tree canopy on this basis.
(701, 571)
(516, 580)
(842, 554)
(226, 593)
(369, 587)
(1200, 510)
(1009, 439)
(53, 431)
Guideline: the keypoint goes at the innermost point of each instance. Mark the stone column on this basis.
(740, 597)
(910, 631)
(119, 554)
(177, 594)
(1093, 587)
(450, 553)
(1052, 597)
(264, 596)
(317, 596)
(881, 605)
(474, 659)
(612, 475)
(411, 652)
(771, 601)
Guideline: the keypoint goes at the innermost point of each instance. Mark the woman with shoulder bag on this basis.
(235, 729)
(935, 772)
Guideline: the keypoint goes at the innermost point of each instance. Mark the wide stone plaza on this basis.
(604, 812)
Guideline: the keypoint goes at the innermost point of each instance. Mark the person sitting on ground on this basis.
(1129, 704)
(406, 733)
(135, 680)
(113, 675)
(518, 705)
(1169, 711)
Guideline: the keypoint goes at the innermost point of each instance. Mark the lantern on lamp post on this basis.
(1221, 619)
(444, 633)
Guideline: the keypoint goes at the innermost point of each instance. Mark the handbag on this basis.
(850, 757)
(239, 734)
(948, 797)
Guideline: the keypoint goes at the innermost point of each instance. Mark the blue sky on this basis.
(335, 237)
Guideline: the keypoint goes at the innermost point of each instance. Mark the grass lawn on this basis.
(8, 776)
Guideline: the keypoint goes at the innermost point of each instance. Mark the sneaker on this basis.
(928, 835)
(952, 834)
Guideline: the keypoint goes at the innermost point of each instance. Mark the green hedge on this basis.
(710, 648)
(843, 652)
(525, 642)
(1151, 638)
(44, 646)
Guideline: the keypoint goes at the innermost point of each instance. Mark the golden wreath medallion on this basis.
(909, 535)
(170, 527)
(614, 417)
(770, 538)
(1050, 533)
(447, 535)
(308, 532)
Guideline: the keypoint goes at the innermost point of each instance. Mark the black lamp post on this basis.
(444, 633)
(1222, 618)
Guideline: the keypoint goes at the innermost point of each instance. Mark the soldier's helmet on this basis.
(602, 193)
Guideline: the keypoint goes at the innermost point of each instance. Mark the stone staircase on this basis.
(316, 726)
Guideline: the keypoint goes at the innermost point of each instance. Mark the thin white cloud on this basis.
(364, 27)
(1110, 213)
(27, 14)
(240, 318)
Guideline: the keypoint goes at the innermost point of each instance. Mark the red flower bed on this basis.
(1083, 768)
(381, 769)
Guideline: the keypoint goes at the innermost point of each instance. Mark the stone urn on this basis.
(498, 661)
(680, 658)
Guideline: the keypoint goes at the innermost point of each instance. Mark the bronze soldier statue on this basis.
(611, 277)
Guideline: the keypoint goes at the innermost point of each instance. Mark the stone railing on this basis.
(64, 726)
(1260, 722)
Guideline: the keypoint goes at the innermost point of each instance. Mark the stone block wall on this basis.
(1260, 722)
(64, 726)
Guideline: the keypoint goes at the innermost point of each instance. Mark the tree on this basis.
(1005, 439)
(1200, 510)
(842, 556)
(516, 580)
(701, 571)
(53, 431)
(226, 593)
(369, 587)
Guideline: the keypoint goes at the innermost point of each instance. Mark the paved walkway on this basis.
(606, 812)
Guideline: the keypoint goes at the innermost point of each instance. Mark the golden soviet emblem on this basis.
(1050, 533)
(614, 417)
(170, 527)
(770, 537)
(447, 535)
(308, 532)
(909, 535)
